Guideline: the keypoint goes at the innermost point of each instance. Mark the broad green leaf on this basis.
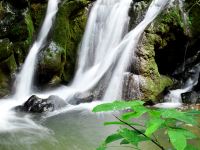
(190, 147)
(155, 113)
(188, 134)
(177, 139)
(181, 116)
(117, 105)
(112, 138)
(153, 125)
(131, 115)
(132, 136)
(121, 123)
(192, 112)
(138, 112)
(124, 141)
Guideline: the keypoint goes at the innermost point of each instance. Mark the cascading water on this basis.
(127, 49)
(105, 53)
(174, 96)
(8, 118)
(25, 78)
(106, 27)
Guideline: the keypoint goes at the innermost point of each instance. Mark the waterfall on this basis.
(106, 50)
(25, 78)
(107, 25)
(127, 49)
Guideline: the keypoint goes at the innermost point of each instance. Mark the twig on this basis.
(156, 143)
(196, 3)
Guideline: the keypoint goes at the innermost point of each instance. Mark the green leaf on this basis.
(132, 136)
(117, 105)
(112, 138)
(138, 112)
(155, 113)
(192, 112)
(181, 116)
(121, 123)
(190, 147)
(153, 125)
(124, 141)
(177, 139)
(188, 134)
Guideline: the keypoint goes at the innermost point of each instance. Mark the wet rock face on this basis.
(145, 88)
(51, 63)
(191, 97)
(38, 105)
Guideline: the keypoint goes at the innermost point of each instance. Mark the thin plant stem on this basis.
(156, 143)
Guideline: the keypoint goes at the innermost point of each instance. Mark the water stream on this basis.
(24, 80)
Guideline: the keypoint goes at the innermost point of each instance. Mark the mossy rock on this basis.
(192, 7)
(37, 14)
(69, 27)
(7, 69)
(144, 88)
(51, 63)
(6, 49)
(160, 37)
(152, 89)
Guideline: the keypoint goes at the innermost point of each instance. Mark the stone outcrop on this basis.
(38, 105)
(161, 50)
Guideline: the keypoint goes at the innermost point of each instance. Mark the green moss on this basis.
(172, 17)
(37, 14)
(6, 49)
(30, 27)
(1, 10)
(154, 88)
(193, 9)
(68, 31)
(7, 69)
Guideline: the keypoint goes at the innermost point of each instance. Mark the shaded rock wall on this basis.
(162, 48)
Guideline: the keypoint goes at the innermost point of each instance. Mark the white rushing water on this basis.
(106, 51)
(25, 78)
(9, 120)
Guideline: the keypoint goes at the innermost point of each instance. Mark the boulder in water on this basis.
(38, 105)
(190, 97)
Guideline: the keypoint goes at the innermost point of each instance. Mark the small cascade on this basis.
(174, 96)
(25, 78)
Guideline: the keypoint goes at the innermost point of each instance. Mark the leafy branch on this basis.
(172, 121)
(161, 147)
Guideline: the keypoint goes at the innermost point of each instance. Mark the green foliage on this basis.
(173, 122)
